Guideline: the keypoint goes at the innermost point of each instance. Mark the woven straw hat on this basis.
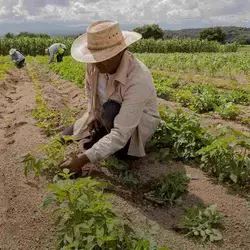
(103, 40)
(12, 51)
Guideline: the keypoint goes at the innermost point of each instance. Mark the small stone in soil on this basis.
(195, 178)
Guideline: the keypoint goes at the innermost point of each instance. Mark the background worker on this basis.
(57, 49)
(17, 58)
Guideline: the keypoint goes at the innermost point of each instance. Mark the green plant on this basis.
(32, 165)
(228, 111)
(169, 189)
(185, 97)
(202, 223)
(120, 168)
(54, 153)
(227, 157)
(239, 97)
(179, 135)
(85, 218)
(5, 66)
(48, 119)
(204, 99)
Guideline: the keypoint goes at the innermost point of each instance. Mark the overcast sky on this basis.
(170, 14)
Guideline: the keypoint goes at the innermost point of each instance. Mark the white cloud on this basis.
(208, 12)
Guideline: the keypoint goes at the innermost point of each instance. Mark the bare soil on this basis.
(24, 226)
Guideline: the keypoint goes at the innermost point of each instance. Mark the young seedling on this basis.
(202, 223)
(120, 168)
(170, 189)
(229, 111)
(53, 155)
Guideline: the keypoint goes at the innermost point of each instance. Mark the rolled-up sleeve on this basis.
(125, 123)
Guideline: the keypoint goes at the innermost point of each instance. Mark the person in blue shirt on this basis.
(17, 58)
(57, 49)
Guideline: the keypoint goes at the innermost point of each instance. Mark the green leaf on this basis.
(216, 236)
(234, 178)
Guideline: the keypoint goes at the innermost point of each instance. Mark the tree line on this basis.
(147, 31)
(26, 34)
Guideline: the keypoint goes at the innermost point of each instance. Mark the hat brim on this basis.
(81, 53)
(12, 52)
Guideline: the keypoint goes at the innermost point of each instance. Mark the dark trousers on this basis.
(59, 57)
(20, 64)
(109, 111)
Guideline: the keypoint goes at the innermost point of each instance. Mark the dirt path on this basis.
(23, 226)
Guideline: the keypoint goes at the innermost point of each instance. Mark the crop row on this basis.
(5, 65)
(36, 46)
(211, 64)
(223, 153)
(199, 98)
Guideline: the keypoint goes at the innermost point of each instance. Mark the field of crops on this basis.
(37, 46)
(205, 131)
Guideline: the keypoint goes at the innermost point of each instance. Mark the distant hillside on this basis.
(234, 34)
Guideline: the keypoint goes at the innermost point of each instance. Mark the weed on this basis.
(202, 223)
(120, 168)
(170, 189)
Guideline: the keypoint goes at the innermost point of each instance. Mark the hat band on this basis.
(107, 46)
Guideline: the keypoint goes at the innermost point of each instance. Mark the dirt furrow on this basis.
(22, 224)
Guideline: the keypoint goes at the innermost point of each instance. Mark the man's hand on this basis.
(75, 165)
(94, 125)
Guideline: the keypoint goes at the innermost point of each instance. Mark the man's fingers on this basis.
(65, 164)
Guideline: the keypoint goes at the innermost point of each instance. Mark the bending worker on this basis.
(122, 103)
(57, 49)
(17, 58)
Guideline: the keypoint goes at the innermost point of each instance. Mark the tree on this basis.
(150, 31)
(213, 34)
(9, 35)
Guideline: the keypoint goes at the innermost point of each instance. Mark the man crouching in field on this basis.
(122, 103)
